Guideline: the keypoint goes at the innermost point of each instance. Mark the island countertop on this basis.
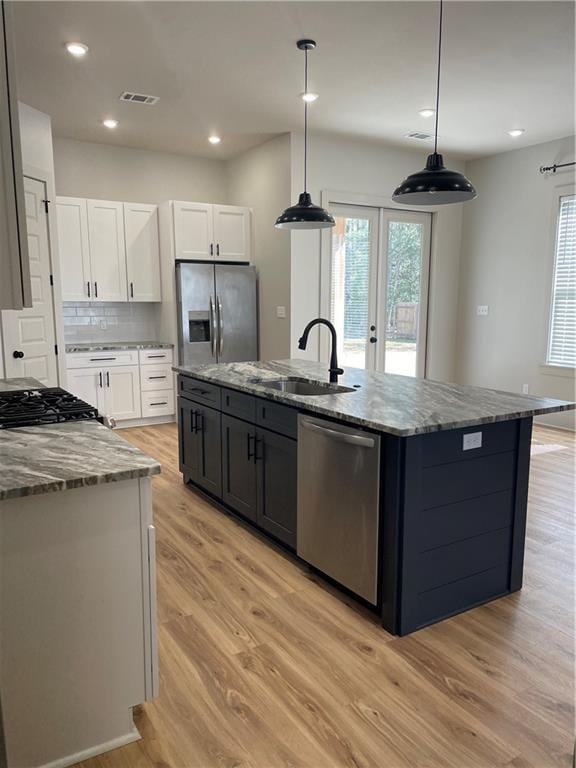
(55, 457)
(398, 405)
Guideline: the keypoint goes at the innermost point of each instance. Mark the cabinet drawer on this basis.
(102, 359)
(200, 391)
(155, 356)
(158, 403)
(278, 418)
(238, 404)
(154, 377)
(445, 447)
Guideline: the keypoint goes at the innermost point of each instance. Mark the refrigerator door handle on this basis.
(213, 330)
(220, 327)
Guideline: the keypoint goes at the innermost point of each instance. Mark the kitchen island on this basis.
(448, 494)
(77, 591)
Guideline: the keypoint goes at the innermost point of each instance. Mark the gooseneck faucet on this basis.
(303, 340)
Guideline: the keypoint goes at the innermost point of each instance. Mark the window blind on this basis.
(562, 341)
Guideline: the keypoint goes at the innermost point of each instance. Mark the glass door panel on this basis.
(354, 253)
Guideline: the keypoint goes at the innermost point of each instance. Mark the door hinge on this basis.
(45, 205)
(51, 279)
(56, 349)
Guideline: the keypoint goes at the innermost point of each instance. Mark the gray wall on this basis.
(506, 262)
(260, 179)
(107, 172)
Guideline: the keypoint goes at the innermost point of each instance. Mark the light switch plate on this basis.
(482, 310)
(471, 440)
(281, 312)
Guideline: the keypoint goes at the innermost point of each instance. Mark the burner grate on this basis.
(51, 405)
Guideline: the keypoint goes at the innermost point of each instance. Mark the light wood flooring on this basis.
(264, 666)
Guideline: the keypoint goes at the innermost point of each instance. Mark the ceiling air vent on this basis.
(419, 136)
(139, 98)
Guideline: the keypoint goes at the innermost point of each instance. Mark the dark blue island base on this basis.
(452, 502)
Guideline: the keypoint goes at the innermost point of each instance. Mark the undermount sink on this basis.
(294, 385)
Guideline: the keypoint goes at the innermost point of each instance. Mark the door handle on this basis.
(88, 286)
(100, 378)
(341, 437)
(212, 327)
(211, 249)
(220, 327)
(95, 289)
(131, 290)
(17, 354)
(257, 443)
(199, 421)
(217, 249)
(108, 378)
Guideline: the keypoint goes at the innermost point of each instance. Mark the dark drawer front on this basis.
(444, 447)
(200, 391)
(239, 405)
(278, 418)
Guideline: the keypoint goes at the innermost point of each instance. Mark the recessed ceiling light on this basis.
(309, 96)
(77, 49)
(427, 112)
(515, 132)
(214, 139)
(110, 123)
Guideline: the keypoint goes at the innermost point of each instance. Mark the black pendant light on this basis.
(305, 215)
(435, 184)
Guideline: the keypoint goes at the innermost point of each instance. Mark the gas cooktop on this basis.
(52, 405)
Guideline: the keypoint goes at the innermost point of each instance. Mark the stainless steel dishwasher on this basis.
(338, 494)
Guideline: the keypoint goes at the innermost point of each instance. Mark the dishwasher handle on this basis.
(342, 437)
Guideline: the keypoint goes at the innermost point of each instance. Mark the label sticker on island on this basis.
(471, 440)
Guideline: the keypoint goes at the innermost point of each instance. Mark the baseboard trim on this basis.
(99, 749)
(149, 422)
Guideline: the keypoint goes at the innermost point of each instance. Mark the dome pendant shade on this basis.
(304, 215)
(434, 185)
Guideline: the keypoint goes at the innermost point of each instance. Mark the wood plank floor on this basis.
(264, 666)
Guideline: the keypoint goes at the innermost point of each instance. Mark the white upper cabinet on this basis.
(142, 262)
(204, 232)
(15, 287)
(193, 231)
(107, 250)
(72, 217)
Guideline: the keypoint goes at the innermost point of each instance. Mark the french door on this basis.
(379, 271)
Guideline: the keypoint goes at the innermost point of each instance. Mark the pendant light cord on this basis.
(305, 119)
(438, 79)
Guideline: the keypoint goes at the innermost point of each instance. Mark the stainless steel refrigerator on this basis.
(217, 313)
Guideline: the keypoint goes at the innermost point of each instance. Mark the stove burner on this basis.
(52, 405)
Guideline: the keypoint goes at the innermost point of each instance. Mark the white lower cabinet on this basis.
(122, 392)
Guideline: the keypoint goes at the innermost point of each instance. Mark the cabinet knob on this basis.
(17, 354)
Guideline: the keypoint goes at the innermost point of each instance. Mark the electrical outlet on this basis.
(525, 389)
(281, 312)
(482, 310)
(471, 440)
(103, 325)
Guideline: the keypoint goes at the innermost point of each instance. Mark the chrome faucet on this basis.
(303, 340)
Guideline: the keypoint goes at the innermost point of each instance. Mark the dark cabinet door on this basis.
(208, 435)
(187, 438)
(238, 466)
(276, 461)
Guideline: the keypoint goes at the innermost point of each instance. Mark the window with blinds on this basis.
(562, 338)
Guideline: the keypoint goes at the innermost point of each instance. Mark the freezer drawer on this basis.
(338, 503)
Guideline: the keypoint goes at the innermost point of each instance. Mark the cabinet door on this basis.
(72, 217)
(122, 387)
(276, 504)
(232, 233)
(238, 466)
(208, 425)
(107, 250)
(193, 231)
(88, 385)
(187, 439)
(142, 252)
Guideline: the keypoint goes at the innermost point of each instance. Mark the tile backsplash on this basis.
(110, 321)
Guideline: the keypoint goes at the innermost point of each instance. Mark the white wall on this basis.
(260, 179)
(107, 172)
(506, 263)
(353, 166)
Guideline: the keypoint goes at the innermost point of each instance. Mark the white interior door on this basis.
(232, 232)
(193, 231)
(107, 250)
(29, 334)
(142, 252)
(72, 217)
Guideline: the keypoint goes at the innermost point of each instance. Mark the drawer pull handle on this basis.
(156, 377)
(150, 357)
(163, 403)
(99, 359)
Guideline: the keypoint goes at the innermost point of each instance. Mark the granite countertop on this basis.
(105, 346)
(55, 457)
(13, 385)
(398, 405)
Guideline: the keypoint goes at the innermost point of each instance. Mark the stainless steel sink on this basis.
(294, 385)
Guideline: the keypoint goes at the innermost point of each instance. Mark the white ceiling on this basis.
(233, 68)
